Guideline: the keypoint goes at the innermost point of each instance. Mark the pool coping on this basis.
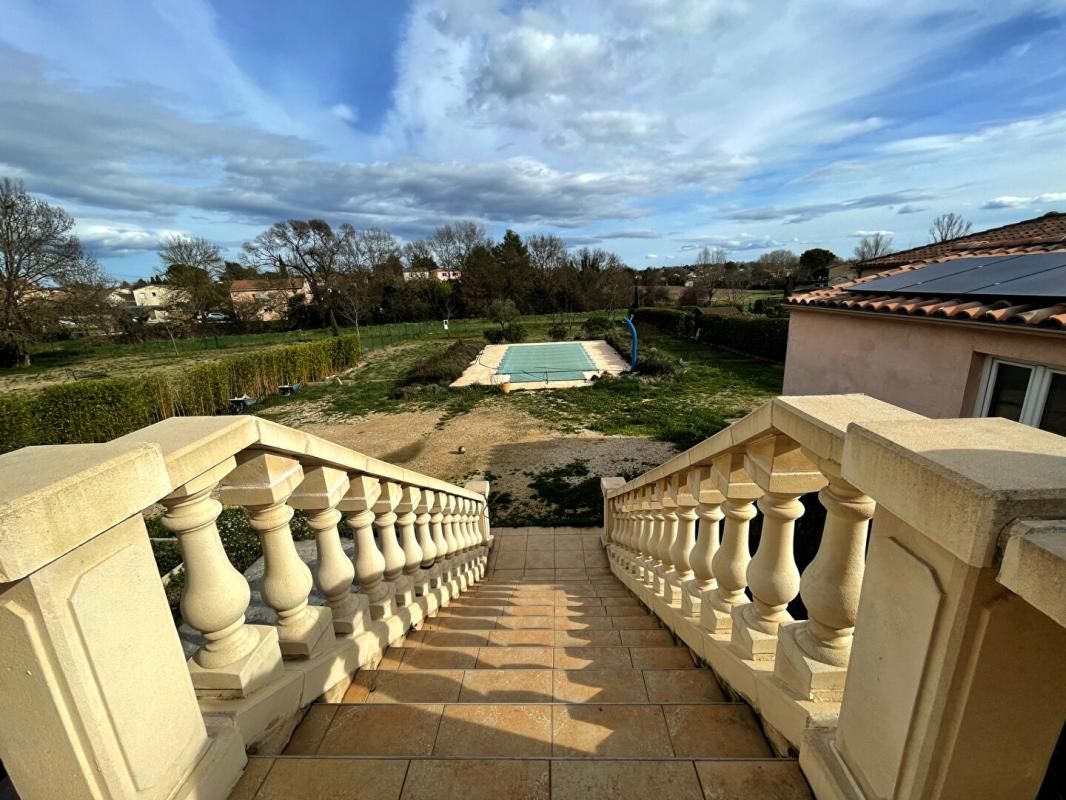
(482, 371)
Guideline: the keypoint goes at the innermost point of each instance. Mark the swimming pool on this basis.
(558, 361)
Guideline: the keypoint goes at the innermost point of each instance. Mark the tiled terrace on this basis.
(549, 680)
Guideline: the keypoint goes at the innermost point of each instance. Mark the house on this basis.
(439, 273)
(267, 299)
(156, 294)
(974, 327)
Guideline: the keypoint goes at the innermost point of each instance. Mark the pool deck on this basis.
(483, 370)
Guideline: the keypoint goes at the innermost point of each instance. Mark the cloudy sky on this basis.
(649, 127)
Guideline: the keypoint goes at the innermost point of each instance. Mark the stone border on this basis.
(482, 372)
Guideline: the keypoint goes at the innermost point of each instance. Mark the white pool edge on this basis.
(482, 372)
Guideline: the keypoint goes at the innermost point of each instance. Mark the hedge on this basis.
(100, 410)
(766, 337)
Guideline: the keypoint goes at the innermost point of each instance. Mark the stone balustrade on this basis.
(92, 670)
(929, 661)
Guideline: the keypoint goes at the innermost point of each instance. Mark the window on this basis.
(1029, 393)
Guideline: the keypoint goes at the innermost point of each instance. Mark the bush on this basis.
(597, 327)
(441, 369)
(766, 337)
(100, 410)
(649, 360)
(558, 331)
(669, 320)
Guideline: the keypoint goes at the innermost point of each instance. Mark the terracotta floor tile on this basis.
(530, 611)
(626, 611)
(515, 658)
(461, 624)
(625, 600)
(661, 658)
(776, 779)
(424, 686)
(530, 637)
(645, 623)
(252, 778)
(628, 780)
(495, 730)
(477, 780)
(563, 623)
(524, 623)
(599, 686)
(436, 639)
(719, 731)
(440, 658)
(312, 729)
(659, 638)
(357, 691)
(333, 779)
(382, 730)
(544, 541)
(682, 686)
(592, 658)
(391, 658)
(588, 638)
(580, 612)
(606, 730)
(507, 686)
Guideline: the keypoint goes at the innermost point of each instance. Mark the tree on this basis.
(511, 258)
(503, 312)
(777, 267)
(190, 265)
(546, 252)
(948, 226)
(873, 245)
(191, 251)
(451, 245)
(814, 264)
(38, 253)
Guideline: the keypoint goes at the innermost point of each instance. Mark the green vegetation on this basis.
(765, 337)
(100, 410)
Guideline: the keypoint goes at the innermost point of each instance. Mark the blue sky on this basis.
(648, 127)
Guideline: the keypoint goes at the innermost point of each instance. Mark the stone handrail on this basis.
(93, 647)
(960, 577)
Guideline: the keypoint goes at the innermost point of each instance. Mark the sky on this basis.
(646, 127)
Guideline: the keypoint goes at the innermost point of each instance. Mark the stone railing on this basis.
(96, 697)
(931, 661)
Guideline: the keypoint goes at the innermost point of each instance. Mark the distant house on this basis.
(156, 295)
(972, 327)
(267, 299)
(440, 274)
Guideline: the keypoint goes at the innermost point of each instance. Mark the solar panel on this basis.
(1027, 275)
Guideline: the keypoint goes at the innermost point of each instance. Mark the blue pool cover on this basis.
(560, 361)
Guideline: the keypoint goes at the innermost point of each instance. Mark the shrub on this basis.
(597, 327)
(100, 410)
(514, 332)
(558, 331)
(649, 360)
(766, 337)
(493, 335)
(669, 320)
(443, 368)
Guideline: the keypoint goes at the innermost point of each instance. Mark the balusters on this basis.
(647, 534)
(236, 658)
(667, 536)
(322, 490)
(684, 542)
(412, 553)
(423, 515)
(709, 508)
(385, 525)
(262, 483)
(784, 474)
(730, 564)
(657, 522)
(450, 563)
(483, 529)
(436, 524)
(357, 506)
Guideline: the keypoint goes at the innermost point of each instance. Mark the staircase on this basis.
(548, 680)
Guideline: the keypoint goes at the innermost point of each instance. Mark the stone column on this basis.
(423, 580)
(709, 501)
(322, 490)
(236, 658)
(412, 553)
(262, 483)
(730, 563)
(664, 573)
(683, 545)
(781, 470)
(385, 524)
(436, 525)
(357, 507)
(655, 534)
(448, 524)
(647, 534)
(812, 656)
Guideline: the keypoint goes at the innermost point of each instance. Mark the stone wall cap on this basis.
(1034, 565)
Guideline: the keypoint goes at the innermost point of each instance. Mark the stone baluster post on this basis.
(236, 658)
(385, 524)
(812, 656)
(262, 483)
(647, 534)
(462, 534)
(436, 525)
(412, 553)
(667, 533)
(357, 506)
(709, 500)
(684, 543)
(730, 563)
(450, 563)
(631, 535)
(423, 515)
(322, 490)
(655, 535)
(784, 473)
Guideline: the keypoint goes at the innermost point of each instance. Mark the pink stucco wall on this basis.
(929, 366)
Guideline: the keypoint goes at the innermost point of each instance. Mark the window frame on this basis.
(1036, 393)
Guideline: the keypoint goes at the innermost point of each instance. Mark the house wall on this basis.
(931, 367)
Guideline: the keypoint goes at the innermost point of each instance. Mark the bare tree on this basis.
(372, 247)
(948, 226)
(39, 255)
(417, 254)
(452, 244)
(191, 251)
(873, 245)
(778, 265)
(546, 252)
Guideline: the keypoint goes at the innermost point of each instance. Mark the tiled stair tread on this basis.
(547, 680)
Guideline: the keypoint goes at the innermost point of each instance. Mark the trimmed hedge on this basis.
(765, 337)
(100, 410)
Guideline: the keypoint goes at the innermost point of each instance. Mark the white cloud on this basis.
(864, 234)
(651, 257)
(344, 112)
(1010, 201)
